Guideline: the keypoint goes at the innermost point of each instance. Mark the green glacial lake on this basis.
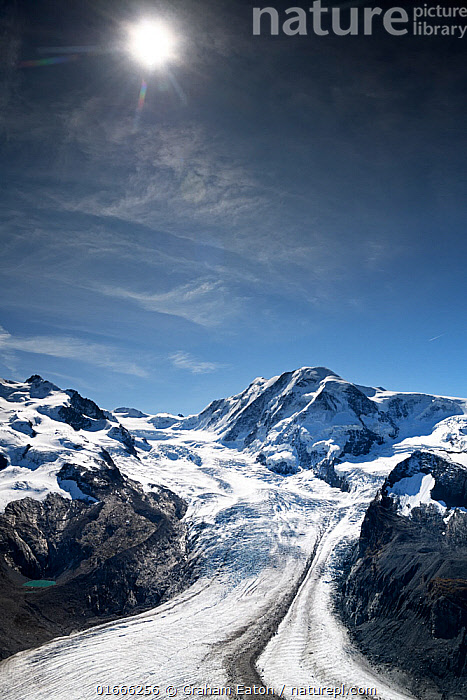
(40, 583)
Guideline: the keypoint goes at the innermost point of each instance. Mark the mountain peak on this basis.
(311, 417)
(34, 378)
(322, 372)
(40, 388)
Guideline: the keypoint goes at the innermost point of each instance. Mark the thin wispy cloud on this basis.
(70, 348)
(183, 360)
(179, 175)
(207, 303)
(195, 189)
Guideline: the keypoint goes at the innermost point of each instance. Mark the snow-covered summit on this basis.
(267, 400)
(42, 427)
(311, 417)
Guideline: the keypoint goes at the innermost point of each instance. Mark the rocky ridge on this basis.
(404, 595)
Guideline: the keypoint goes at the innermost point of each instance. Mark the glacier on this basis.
(277, 480)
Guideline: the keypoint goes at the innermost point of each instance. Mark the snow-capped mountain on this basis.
(312, 417)
(309, 418)
(245, 512)
(43, 427)
(70, 515)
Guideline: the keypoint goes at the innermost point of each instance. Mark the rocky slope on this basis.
(405, 594)
(111, 548)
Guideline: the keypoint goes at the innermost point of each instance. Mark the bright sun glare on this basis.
(151, 43)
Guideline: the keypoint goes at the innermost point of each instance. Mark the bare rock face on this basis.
(404, 595)
(112, 552)
(81, 413)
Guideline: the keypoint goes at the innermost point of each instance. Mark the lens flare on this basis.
(53, 60)
(142, 95)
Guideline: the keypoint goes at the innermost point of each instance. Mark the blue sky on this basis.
(291, 201)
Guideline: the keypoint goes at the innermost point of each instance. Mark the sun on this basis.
(151, 43)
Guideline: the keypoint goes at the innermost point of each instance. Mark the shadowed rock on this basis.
(112, 552)
(404, 596)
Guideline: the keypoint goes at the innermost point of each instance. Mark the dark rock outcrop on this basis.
(124, 436)
(404, 595)
(113, 551)
(40, 388)
(81, 413)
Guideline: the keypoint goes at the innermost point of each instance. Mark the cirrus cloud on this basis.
(183, 360)
(71, 348)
